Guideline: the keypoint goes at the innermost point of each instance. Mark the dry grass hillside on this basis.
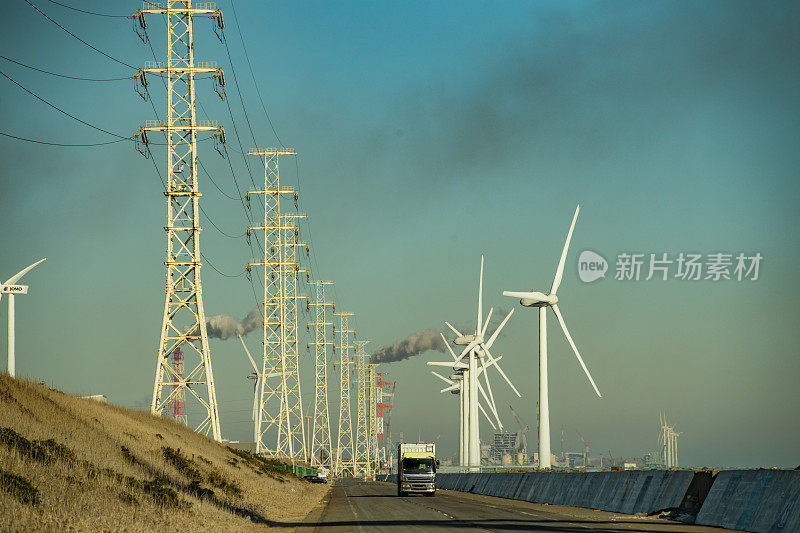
(70, 464)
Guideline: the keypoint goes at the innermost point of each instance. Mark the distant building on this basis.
(503, 443)
(574, 460)
(97, 397)
(485, 452)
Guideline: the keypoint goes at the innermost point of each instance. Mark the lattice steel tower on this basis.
(272, 426)
(184, 323)
(345, 450)
(372, 398)
(321, 446)
(177, 406)
(362, 447)
(292, 436)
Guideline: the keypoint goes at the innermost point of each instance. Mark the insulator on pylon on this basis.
(140, 26)
(140, 84)
(219, 141)
(141, 141)
(219, 84)
(219, 26)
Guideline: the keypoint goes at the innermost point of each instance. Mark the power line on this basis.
(249, 64)
(221, 273)
(90, 12)
(64, 75)
(78, 38)
(61, 110)
(217, 227)
(238, 90)
(37, 141)
(208, 174)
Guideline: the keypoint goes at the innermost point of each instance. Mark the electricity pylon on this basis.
(345, 450)
(184, 322)
(271, 424)
(362, 422)
(372, 397)
(292, 436)
(321, 447)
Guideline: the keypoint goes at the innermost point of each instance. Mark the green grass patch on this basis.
(229, 487)
(19, 487)
(182, 464)
(44, 451)
(261, 465)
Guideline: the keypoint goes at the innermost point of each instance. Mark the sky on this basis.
(428, 134)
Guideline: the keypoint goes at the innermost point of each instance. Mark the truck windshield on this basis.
(418, 466)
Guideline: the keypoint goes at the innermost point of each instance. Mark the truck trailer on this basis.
(416, 468)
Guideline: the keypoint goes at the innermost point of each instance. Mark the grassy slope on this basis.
(120, 469)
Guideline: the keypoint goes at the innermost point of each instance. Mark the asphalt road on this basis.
(373, 506)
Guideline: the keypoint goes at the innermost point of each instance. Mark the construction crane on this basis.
(586, 445)
(523, 433)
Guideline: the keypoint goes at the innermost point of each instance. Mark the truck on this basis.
(416, 468)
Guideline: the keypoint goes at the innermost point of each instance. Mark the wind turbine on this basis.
(10, 288)
(477, 349)
(543, 301)
(256, 377)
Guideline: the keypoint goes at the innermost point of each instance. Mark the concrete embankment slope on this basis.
(762, 501)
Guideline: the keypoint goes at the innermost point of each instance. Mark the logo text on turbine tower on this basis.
(591, 266)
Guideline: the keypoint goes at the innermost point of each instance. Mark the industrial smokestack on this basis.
(414, 344)
(225, 326)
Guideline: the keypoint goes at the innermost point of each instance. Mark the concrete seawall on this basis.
(762, 501)
(753, 500)
(630, 492)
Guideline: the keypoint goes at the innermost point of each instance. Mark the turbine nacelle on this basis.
(464, 340)
(533, 298)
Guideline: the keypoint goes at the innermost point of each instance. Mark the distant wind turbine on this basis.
(10, 288)
(543, 301)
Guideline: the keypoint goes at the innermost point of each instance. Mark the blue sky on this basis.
(429, 133)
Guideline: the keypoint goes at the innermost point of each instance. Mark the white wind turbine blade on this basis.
(468, 349)
(454, 330)
(494, 361)
(560, 269)
(448, 346)
(480, 301)
(16, 277)
(574, 348)
(487, 416)
(452, 387)
(497, 331)
(455, 365)
(490, 398)
(486, 324)
(255, 397)
(252, 362)
(446, 380)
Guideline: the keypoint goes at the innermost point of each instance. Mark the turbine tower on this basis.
(543, 301)
(11, 288)
(321, 446)
(256, 377)
(184, 322)
(362, 410)
(345, 449)
(272, 427)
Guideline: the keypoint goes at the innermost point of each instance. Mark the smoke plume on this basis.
(225, 326)
(414, 344)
